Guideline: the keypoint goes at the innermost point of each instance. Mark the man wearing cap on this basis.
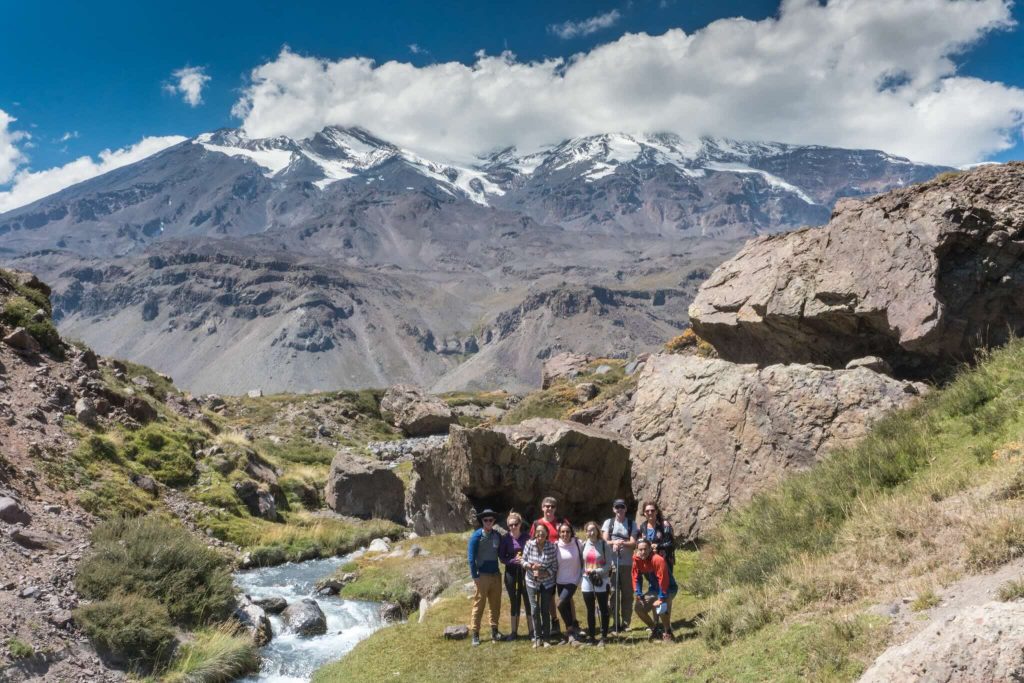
(621, 533)
(483, 566)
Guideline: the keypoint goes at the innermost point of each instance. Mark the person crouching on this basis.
(656, 604)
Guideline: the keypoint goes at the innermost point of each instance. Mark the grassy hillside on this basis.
(785, 588)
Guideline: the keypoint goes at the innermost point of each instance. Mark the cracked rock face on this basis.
(920, 277)
(709, 434)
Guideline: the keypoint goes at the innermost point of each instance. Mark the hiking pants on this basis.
(622, 594)
(488, 589)
(540, 610)
(515, 586)
(601, 599)
(565, 591)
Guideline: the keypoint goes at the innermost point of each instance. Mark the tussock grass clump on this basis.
(997, 541)
(165, 452)
(19, 649)
(1012, 590)
(214, 656)
(158, 558)
(19, 311)
(129, 629)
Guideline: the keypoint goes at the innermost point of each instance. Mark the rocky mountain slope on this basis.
(465, 274)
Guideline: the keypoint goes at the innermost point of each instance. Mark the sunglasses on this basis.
(548, 507)
(650, 512)
(620, 507)
(488, 519)
(513, 523)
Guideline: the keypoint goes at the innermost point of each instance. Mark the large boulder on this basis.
(709, 434)
(514, 467)
(565, 365)
(362, 487)
(254, 621)
(257, 498)
(414, 412)
(920, 277)
(305, 618)
(982, 643)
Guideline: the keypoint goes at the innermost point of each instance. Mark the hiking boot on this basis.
(536, 643)
(512, 637)
(496, 636)
(476, 639)
(600, 643)
(668, 638)
(655, 634)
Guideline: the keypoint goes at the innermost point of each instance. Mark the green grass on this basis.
(128, 628)
(19, 311)
(297, 450)
(158, 558)
(215, 655)
(19, 649)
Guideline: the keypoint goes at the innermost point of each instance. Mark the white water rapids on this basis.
(289, 658)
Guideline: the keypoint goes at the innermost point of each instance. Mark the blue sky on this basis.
(84, 77)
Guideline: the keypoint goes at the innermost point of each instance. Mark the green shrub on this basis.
(18, 311)
(214, 656)
(166, 453)
(157, 557)
(19, 649)
(113, 495)
(129, 629)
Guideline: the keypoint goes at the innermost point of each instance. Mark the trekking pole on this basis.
(618, 593)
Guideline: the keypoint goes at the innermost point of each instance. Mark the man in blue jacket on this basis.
(483, 566)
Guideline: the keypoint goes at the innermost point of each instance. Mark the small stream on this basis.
(289, 658)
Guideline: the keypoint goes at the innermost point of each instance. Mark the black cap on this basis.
(618, 502)
(488, 513)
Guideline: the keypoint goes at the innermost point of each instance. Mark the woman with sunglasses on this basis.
(656, 529)
(510, 552)
(596, 567)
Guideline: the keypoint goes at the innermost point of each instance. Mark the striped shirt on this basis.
(547, 557)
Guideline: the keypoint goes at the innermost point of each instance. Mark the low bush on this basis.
(214, 656)
(129, 629)
(159, 558)
(19, 649)
(1011, 590)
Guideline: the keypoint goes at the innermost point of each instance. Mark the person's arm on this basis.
(471, 554)
(630, 543)
(661, 571)
(638, 582)
(668, 542)
(606, 568)
(505, 547)
(606, 532)
(579, 563)
(551, 558)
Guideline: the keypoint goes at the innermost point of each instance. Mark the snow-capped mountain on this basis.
(342, 259)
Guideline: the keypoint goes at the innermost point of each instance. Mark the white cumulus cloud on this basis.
(574, 29)
(28, 186)
(11, 155)
(189, 82)
(851, 73)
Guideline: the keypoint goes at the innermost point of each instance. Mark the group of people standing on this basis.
(546, 564)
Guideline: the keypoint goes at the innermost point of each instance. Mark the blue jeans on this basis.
(540, 609)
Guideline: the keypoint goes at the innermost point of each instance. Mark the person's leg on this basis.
(545, 612)
(494, 602)
(626, 586)
(521, 589)
(513, 601)
(477, 612)
(644, 612)
(589, 601)
(602, 600)
(565, 593)
(533, 599)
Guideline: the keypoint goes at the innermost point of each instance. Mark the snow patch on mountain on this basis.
(772, 180)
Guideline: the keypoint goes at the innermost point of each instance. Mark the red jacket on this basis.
(552, 527)
(657, 572)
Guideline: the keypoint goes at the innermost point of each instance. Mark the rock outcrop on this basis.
(708, 434)
(514, 467)
(920, 276)
(362, 487)
(254, 620)
(983, 643)
(414, 412)
(563, 366)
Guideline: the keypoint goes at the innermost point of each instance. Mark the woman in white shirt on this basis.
(567, 580)
(597, 563)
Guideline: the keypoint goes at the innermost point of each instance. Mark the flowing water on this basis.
(289, 658)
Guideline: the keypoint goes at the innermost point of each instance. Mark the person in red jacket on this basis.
(656, 603)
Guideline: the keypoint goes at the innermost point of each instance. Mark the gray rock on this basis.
(709, 434)
(12, 512)
(85, 412)
(563, 366)
(378, 545)
(390, 612)
(602, 369)
(414, 412)
(255, 393)
(582, 466)
(585, 391)
(305, 618)
(272, 605)
(254, 620)
(257, 498)
(35, 540)
(362, 487)
(982, 643)
(21, 340)
(871, 363)
(456, 632)
(140, 410)
(146, 483)
(922, 277)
